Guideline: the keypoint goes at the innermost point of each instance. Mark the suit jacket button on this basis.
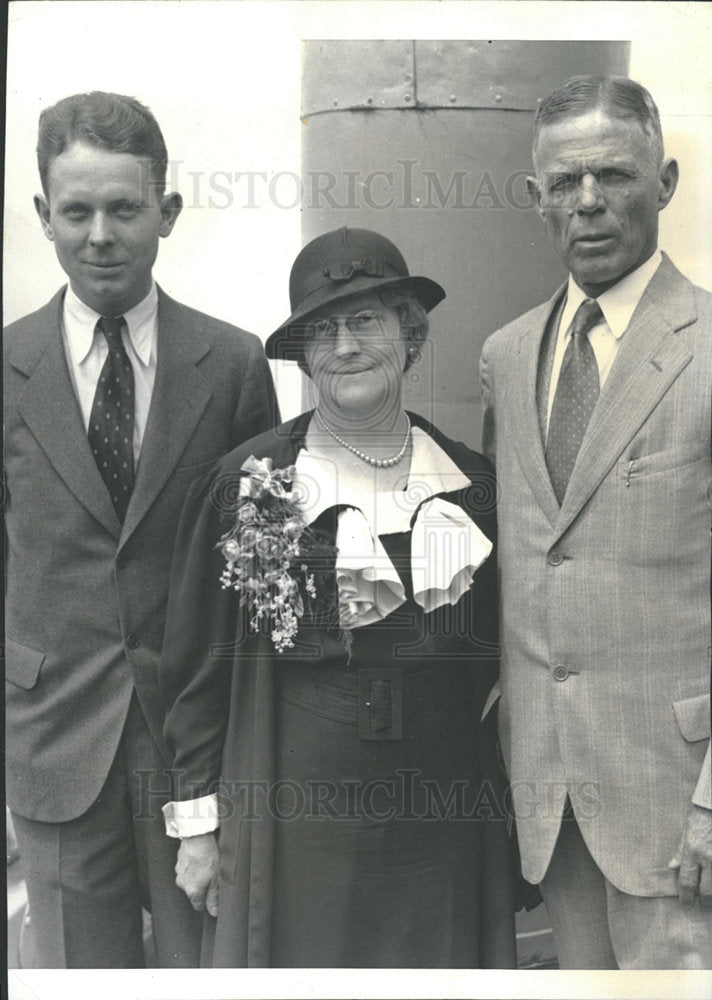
(555, 558)
(560, 673)
(132, 641)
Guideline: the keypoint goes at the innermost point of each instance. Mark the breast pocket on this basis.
(636, 466)
(659, 505)
(22, 664)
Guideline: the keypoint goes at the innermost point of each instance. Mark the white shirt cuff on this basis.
(192, 817)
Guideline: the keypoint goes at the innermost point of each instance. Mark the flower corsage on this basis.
(274, 560)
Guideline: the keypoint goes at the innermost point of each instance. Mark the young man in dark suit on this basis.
(116, 399)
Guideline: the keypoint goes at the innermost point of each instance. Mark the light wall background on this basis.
(223, 79)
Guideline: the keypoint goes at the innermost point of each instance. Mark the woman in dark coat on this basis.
(330, 650)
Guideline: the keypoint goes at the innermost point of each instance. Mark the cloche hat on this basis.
(342, 263)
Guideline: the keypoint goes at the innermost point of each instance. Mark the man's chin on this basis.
(595, 276)
(107, 296)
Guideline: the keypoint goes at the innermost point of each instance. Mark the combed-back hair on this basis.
(110, 121)
(617, 96)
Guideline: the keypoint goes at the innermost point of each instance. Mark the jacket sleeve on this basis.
(257, 409)
(489, 441)
(201, 626)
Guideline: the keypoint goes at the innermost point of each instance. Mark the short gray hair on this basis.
(617, 96)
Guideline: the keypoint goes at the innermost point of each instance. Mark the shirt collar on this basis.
(80, 322)
(620, 301)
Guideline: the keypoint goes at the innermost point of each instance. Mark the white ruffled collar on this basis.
(431, 471)
(446, 546)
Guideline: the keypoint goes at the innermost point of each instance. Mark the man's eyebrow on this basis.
(594, 164)
(576, 159)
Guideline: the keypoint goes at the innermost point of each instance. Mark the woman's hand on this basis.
(197, 872)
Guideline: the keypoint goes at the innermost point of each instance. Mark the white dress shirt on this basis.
(617, 305)
(85, 348)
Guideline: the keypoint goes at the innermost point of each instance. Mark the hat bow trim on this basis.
(345, 270)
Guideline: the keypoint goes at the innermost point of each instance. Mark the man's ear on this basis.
(42, 209)
(171, 206)
(535, 194)
(668, 176)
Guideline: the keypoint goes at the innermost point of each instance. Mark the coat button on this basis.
(555, 558)
(560, 673)
(132, 641)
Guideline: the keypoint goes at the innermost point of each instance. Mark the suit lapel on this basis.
(180, 395)
(50, 409)
(650, 358)
(527, 432)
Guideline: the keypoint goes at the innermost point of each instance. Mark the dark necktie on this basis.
(111, 424)
(574, 400)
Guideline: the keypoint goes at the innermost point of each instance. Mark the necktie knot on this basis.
(111, 326)
(586, 317)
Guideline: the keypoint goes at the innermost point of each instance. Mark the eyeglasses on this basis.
(362, 324)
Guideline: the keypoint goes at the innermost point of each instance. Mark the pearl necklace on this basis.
(379, 463)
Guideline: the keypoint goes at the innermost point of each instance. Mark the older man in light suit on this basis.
(116, 399)
(598, 406)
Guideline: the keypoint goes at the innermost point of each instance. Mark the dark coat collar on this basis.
(283, 444)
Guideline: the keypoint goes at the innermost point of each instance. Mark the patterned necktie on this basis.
(574, 400)
(111, 424)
